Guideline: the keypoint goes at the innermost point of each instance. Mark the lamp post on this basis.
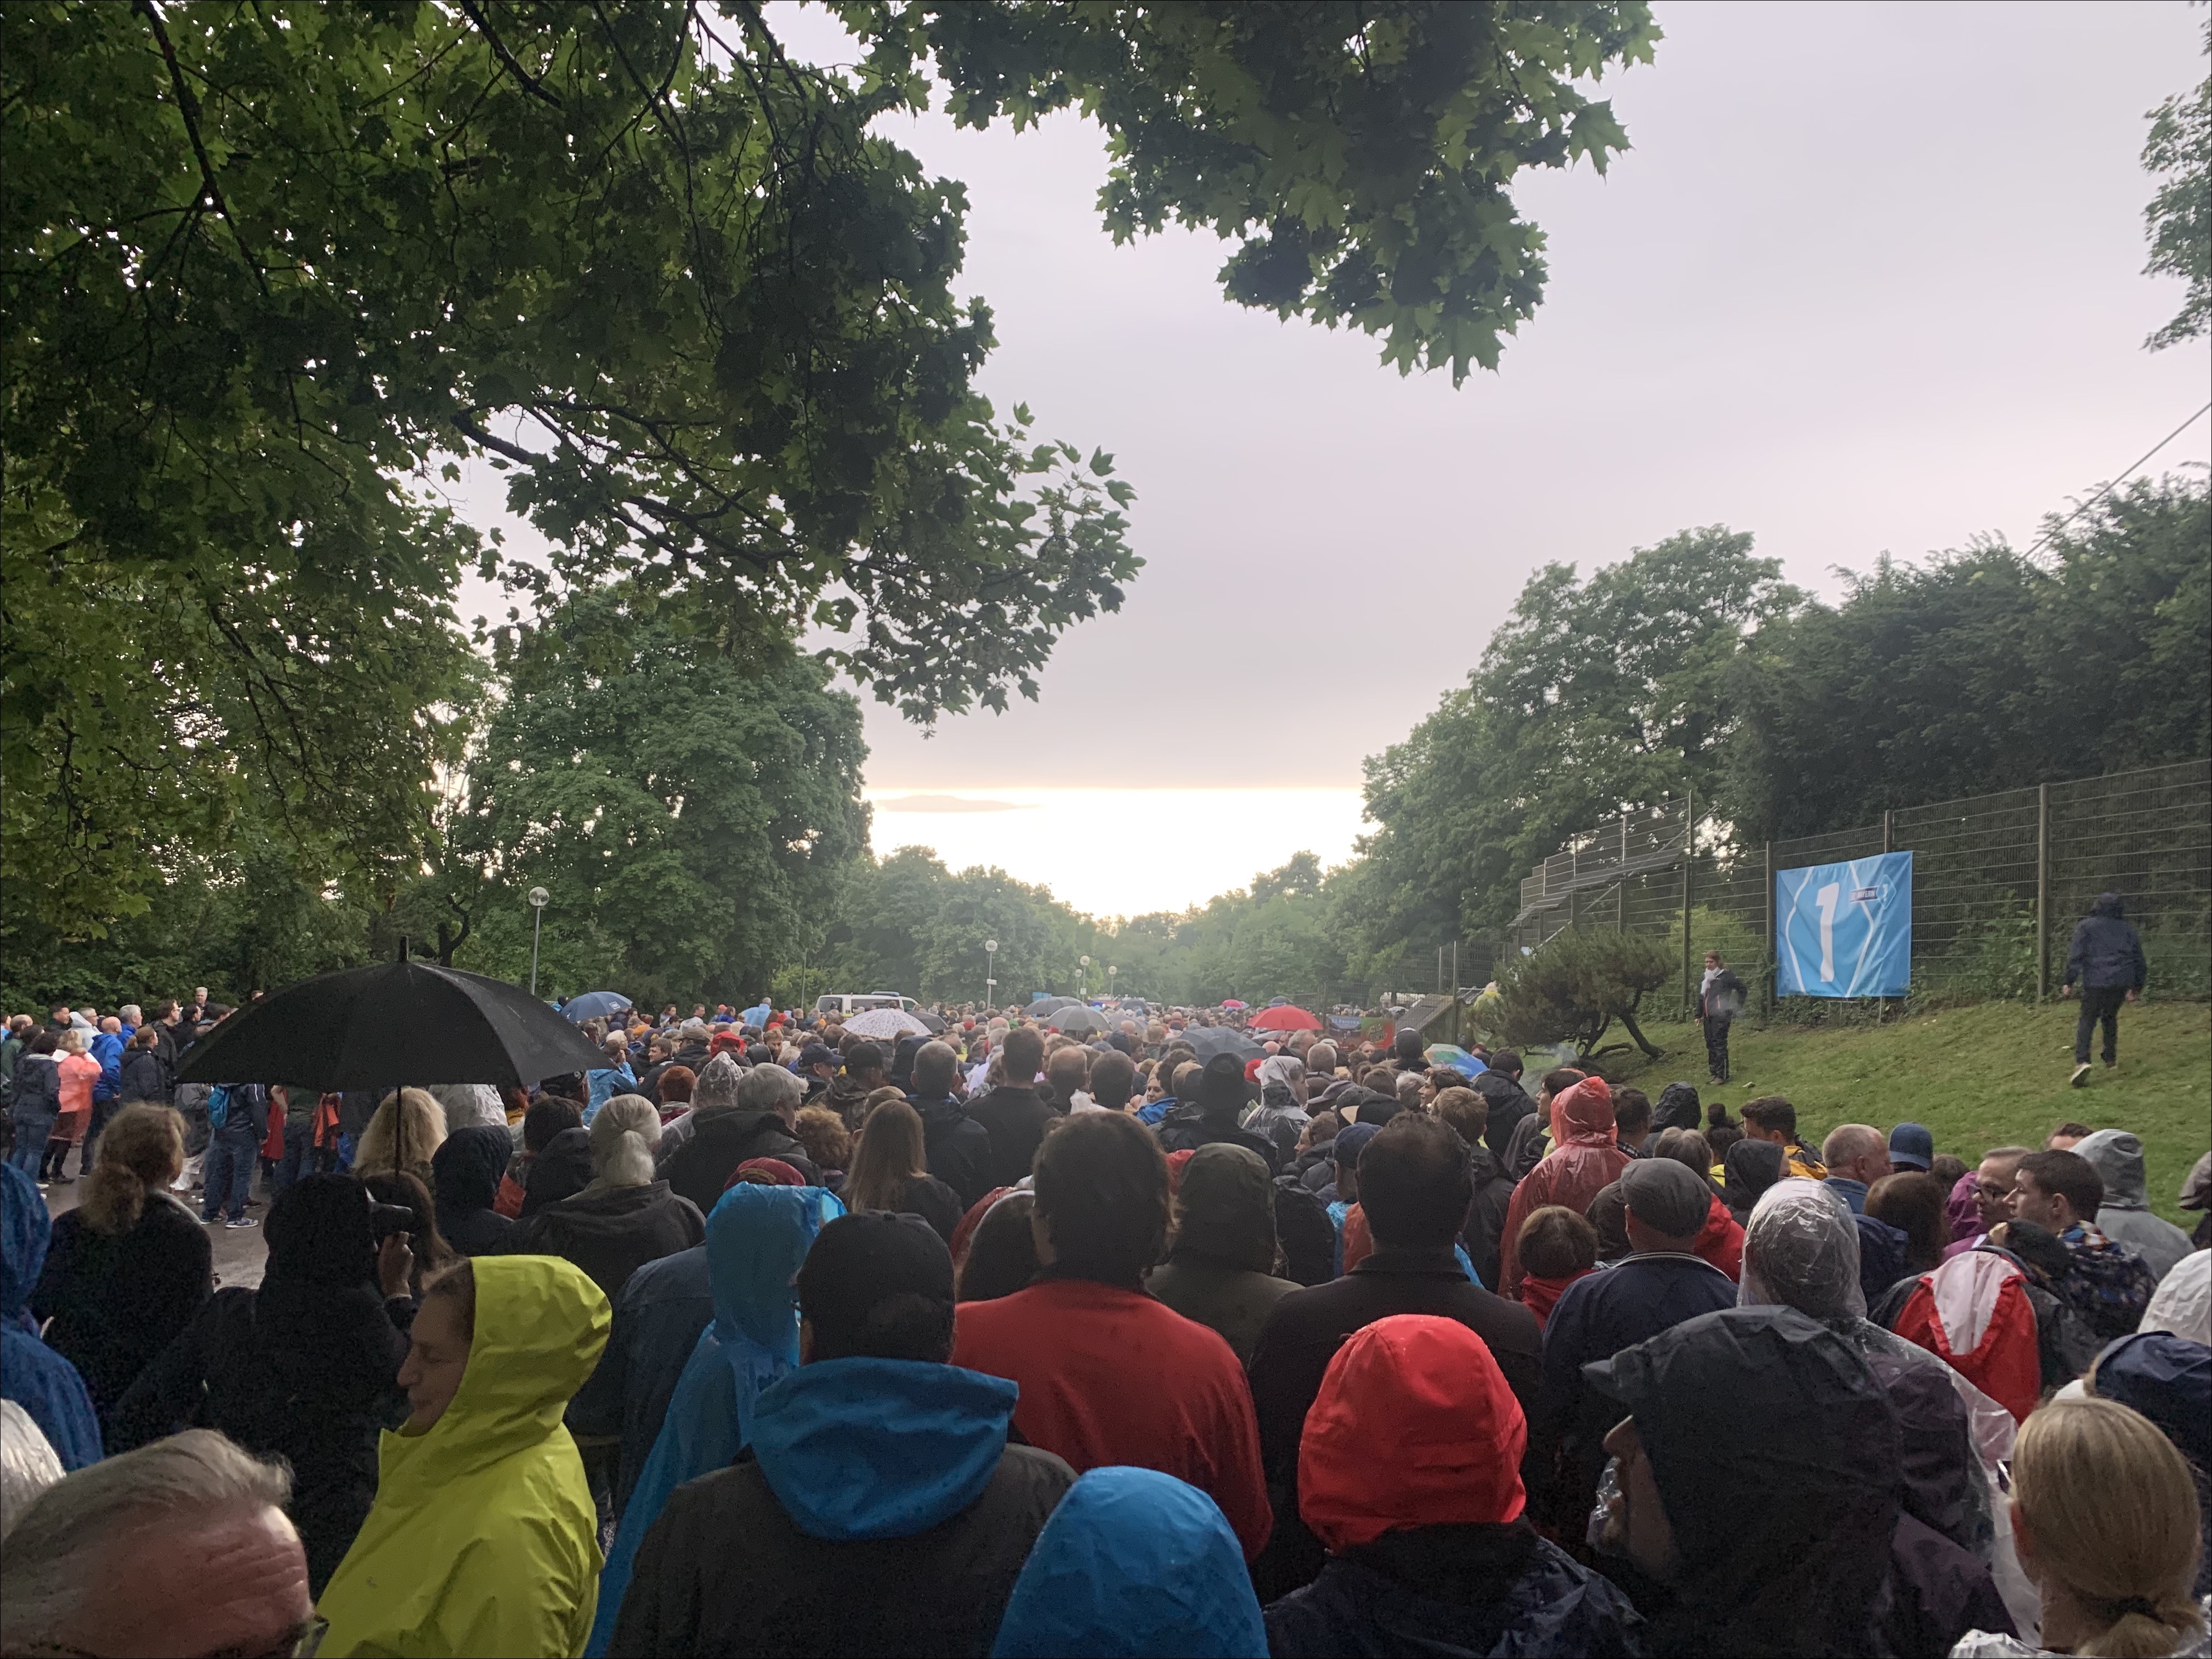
(538, 897)
(1082, 979)
(1110, 971)
(990, 972)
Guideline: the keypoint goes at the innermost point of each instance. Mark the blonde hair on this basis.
(426, 1133)
(623, 1133)
(892, 1151)
(72, 1041)
(2111, 1514)
(142, 1147)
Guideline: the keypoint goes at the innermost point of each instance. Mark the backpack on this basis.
(218, 1104)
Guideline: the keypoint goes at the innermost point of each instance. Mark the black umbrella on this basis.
(1207, 1040)
(1078, 1021)
(394, 1023)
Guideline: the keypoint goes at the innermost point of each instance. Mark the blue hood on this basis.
(880, 1448)
(23, 1233)
(757, 1238)
(1133, 1562)
(2168, 1379)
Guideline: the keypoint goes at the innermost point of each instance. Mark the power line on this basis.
(2116, 482)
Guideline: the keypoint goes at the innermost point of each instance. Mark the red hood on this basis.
(1414, 1426)
(1720, 1241)
(1583, 1116)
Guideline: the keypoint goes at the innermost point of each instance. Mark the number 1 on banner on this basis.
(1826, 898)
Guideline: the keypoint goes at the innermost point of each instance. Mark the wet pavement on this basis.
(239, 1253)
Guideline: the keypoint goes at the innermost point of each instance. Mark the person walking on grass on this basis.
(2107, 957)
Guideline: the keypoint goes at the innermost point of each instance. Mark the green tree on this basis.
(2179, 216)
(1984, 670)
(1574, 986)
(271, 270)
(689, 801)
(1591, 696)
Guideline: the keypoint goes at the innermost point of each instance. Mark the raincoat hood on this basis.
(1582, 1116)
(1133, 1562)
(1414, 1426)
(24, 1231)
(1783, 1523)
(466, 1167)
(757, 1238)
(1752, 1167)
(2169, 1380)
(541, 1326)
(483, 1538)
(1801, 1250)
(2117, 1159)
(1678, 1108)
(1225, 1207)
(864, 1448)
(2182, 1304)
(2107, 904)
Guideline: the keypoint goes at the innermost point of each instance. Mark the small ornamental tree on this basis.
(1574, 986)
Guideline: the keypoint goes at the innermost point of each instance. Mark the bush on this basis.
(1571, 989)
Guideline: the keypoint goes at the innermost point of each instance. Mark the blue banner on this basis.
(1844, 930)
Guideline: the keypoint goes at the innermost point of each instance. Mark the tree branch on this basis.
(531, 83)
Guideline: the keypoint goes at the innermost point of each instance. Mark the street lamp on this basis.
(1110, 971)
(990, 972)
(1083, 980)
(538, 898)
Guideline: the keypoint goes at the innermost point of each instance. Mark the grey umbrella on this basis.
(1078, 1021)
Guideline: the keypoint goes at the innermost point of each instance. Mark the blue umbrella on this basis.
(593, 1005)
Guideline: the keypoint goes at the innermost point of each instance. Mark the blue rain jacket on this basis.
(1133, 1563)
(31, 1374)
(757, 1238)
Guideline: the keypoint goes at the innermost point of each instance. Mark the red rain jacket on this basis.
(1586, 1161)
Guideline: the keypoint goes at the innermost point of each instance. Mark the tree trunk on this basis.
(1641, 1042)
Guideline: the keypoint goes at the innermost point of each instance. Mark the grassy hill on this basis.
(1978, 1077)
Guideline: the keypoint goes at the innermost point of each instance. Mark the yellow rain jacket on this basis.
(483, 1540)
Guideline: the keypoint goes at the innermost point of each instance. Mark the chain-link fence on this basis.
(1998, 881)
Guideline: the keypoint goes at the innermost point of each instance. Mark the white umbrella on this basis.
(885, 1024)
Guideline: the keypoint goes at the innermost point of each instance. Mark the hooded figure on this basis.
(1586, 1161)
(1801, 1252)
(1508, 1103)
(1677, 1108)
(1409, 1472)
(484, 1538)
(1133, 1562)
(1752, 1167)
(1220, 1267)
(757, 1239)
(1281, 1115)
(2123, 1217)
(1223, 1094)
(2169, 1380)
(1782, 1526)
(465, 1171)
(33, 1375)
(304, 1367)
(2182, 1304)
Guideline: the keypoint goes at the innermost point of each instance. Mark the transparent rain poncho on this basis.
(1801, 1249)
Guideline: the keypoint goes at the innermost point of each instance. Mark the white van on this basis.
(854, 1002)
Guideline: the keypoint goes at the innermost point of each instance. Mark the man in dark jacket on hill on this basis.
(1414, 1190)
(881, 1508)
(2107, 957)
(1013, 1113)
(959, 1148)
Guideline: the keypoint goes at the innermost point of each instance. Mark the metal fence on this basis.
(1998, 881)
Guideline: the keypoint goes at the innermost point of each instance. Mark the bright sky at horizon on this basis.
(1122, 852)
(1870, 281)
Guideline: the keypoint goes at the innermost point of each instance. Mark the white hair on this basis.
(27, 1463)
(133, 1012)
(52, 1565)
(623, 1133)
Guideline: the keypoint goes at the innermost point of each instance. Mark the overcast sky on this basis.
(1869, 280)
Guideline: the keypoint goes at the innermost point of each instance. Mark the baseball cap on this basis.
(1911, 1144)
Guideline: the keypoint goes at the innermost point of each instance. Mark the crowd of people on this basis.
(766, 1337)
